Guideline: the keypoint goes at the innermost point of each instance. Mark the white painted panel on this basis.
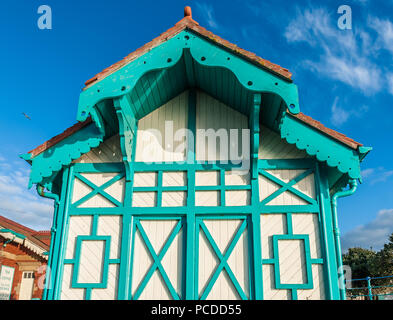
(173, 262)
(307, 223)
(318, 292)
(292, 261)
(273, 147)
(207, 198)
(207, 262)
(68, 293)
(91, 261)
(174, 178)
(269, 287)
(145, 179)
(174, 199)
(207, 178)
(166, 144)
(267, 187)
(223, 232)
(80, 190)
(237, 178)
(111, 226)
(107, 151)
(144, 199)
(237, 198)
(158, 232)
(78, 225)
(213, 115)
(116, 190)
(110, 292)
(271, 224)
(142, 261)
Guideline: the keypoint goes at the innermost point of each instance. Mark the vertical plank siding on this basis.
(157, 205)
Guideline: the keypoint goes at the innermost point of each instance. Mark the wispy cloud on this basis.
(20, 204)
(389, 77)
(341, 114)
(373, 234)
(384, 30)
(207, 11)
(345, 54)
(375, 175)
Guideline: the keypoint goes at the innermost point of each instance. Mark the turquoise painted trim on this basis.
(327, 224)
(64, 234)
(105, 266)
(287, 186)
(255, 221)
(98, 190)
(223, 258)
(336, 231)
(157, 258)
(279, 164)
(289, 223)
(323, 231)
(168, 54)
(15, 234)
(48, 163)
(317, 144)
(309, 282)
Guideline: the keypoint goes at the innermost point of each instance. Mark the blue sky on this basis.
(345, 80)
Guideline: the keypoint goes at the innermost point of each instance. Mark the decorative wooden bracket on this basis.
(127, 131)
(254, 139)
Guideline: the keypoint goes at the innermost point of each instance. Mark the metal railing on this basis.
(369, 291)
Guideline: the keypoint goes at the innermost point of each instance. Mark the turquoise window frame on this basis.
(307, 255)
(105, 265)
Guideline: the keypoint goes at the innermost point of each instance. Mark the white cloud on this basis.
(339, 115)
(384, 29)
(373, 234)
(208, 14)
(390, 82)
(375, 175)
(20, 204)
(346, 54)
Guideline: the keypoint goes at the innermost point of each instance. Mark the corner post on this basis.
(255, 215)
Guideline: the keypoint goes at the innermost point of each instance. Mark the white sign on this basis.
(6, 279)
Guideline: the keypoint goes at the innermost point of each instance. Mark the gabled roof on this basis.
(188, 23)
(37, 241)
(295, 127)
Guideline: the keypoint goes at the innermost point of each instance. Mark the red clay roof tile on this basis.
(188, 23)
(29, 233)
(56, 139)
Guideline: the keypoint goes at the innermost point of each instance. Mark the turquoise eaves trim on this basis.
(167, 54)
(18, 235)
(324, 148)
(52, 160)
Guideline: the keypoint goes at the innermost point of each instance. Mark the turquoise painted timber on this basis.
(317, 144)
(48, 163)
(168, 54)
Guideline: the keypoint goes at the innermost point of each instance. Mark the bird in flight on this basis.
(26, 115)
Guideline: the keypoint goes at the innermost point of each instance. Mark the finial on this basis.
(187, 12)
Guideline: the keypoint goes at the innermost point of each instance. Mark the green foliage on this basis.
(368, 263)
(361, 262)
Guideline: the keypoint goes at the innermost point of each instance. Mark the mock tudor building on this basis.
(192, 174)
